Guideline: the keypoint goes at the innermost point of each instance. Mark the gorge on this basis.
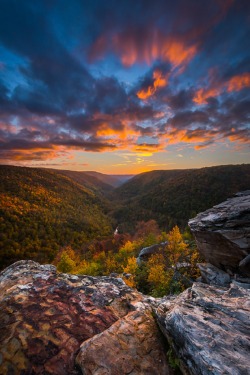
(55, 323)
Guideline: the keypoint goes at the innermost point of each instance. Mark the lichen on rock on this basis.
(46, 316)
(209, 328)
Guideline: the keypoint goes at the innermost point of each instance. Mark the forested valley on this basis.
(84, 224)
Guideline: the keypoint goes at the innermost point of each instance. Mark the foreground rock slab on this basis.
(222, 234)
(46, 316)
(209, 327)
(130, 346)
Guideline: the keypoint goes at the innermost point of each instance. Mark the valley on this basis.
(43, 211)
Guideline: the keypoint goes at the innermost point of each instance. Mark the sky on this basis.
(124, 86)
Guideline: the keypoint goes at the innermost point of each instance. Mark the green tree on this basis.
(66, 264)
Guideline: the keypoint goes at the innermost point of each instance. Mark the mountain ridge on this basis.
(174, 196)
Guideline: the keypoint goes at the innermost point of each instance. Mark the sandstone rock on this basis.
(222, 234)
(213, 275)
(45, 316)
(146, 252)
(48, 319)
(209, 328)
(132, 345)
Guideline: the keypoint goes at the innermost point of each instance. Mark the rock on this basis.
(213, 275)
(241, 284)
(45, 316)
(54, 323)
(146, 252)
(132, 345)
(209, 328)
(222, 234)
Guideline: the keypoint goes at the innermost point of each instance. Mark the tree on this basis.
(66, 263)
(131, 269)
(158, 275)
(176, 249)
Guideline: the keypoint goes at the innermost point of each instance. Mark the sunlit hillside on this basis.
(41, 211)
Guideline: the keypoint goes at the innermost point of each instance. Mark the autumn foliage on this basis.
(167, 272)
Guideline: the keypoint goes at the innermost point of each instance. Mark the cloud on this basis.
(103, 76)
(236, 83)
(159, 80)
(151, 48)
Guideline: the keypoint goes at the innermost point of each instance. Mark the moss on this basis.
(173, 361)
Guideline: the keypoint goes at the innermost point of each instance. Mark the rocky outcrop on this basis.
(46, 316)
(53, 323)
(213, 275)
(209, 329)
(146, 252)
(222, 234)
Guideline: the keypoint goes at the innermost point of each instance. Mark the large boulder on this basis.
(222, 234)
(46, 316)
(146, 252)
(209, 329)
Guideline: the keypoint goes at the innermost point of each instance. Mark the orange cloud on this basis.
(159, 81)
(239, 82)
(235, 83)
(36, 153)
(202, 95)
(133, 47)
(147, 149)
(241, 138)
(159, 47)
(202, 136)
(178, 53)
(120, 134)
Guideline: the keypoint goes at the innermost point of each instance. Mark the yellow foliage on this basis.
(128, 247)
(88, 268)
(111, 265)
(156, 274)
(130, 281)
(177, 249)
(131, 266)
(66, 264)
(100, 257)
(194, 259)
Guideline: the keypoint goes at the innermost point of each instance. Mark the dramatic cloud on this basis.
(140, 77)
(158, 81)
(236, 83)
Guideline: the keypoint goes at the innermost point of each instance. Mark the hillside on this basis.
(172, 197)
(93, 183)
(113, 180)
(41, 211)
(100, 183)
